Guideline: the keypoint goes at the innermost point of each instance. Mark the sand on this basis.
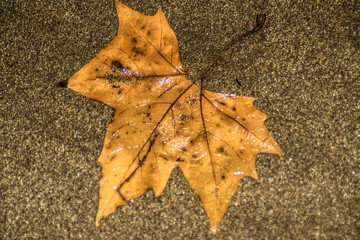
(303, 68)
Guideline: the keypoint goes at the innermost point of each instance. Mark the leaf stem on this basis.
(260, 20)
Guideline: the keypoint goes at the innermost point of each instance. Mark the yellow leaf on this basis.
(163, 121)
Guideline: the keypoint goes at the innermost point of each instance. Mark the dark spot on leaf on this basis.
(223, 177)
(220, 149)
(134, 40)
(180, 160)
(127, 132)
(96, 69)
(117, 64)
(234, 108)
(120, 91)
(183, 117)
(243, 119)
(147, 114)
(222, 103)
(137, 51)
(217, 125)
(114, 86)
(149, 32)
(194, 156)
(183, 149)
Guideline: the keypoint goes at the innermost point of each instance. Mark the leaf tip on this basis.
(99, 217)
(159, 11)
(255, 175)
(213, 230)
(277, 150)
(97, 222)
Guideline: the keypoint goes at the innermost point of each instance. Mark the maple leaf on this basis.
(163, 121)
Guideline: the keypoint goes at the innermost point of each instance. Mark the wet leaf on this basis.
(163, 120)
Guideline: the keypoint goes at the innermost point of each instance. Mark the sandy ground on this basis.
(303, 68)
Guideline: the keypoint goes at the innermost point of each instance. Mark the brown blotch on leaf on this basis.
(117, 64)
(137, 51)
(220, 150)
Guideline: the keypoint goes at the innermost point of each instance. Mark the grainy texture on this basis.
(303, 68)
